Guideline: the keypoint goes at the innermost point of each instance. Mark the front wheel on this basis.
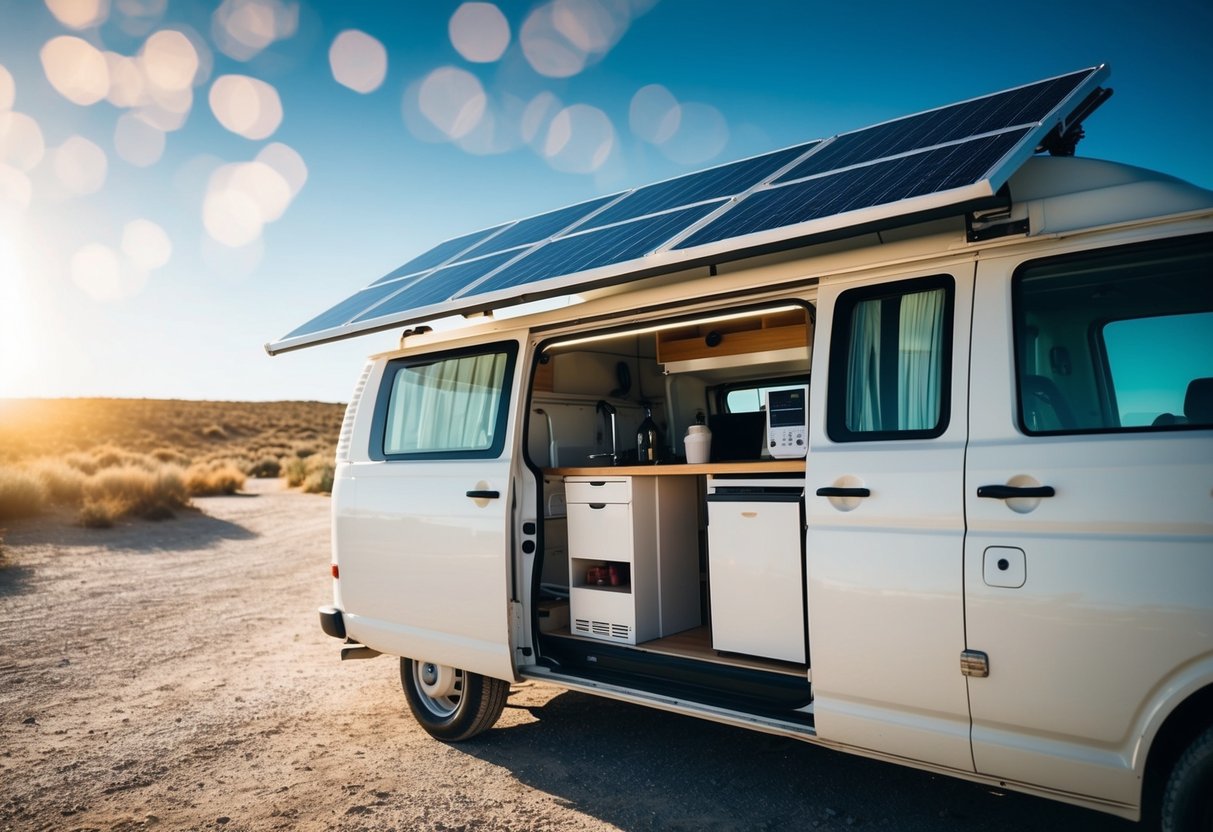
(449, 703)
(1187, 804)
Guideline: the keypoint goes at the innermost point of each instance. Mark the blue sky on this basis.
(154, 261)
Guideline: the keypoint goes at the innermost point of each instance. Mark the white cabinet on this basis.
(647, 529)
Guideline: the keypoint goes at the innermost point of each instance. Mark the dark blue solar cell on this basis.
(1026, 105)
(438, 286)
(931, 171)
(534, 229)
(438, 255)
(346, 310)
(581, 252)
(725, 180)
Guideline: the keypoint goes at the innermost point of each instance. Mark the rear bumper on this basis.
(331, 622)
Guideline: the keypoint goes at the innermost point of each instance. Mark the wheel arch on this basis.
(1185, 722)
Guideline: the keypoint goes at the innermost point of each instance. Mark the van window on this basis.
(889, 361)
(450, 407)
(752, 398)
(1116, 340)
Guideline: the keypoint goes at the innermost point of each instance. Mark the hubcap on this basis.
(440, 687)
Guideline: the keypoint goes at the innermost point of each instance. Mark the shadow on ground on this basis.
(639, 768)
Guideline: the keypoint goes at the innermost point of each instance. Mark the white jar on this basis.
(698, 443)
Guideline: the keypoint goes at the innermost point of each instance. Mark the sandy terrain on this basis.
(173, 676)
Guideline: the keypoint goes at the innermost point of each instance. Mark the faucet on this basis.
(608, 410)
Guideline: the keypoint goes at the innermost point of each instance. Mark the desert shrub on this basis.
(108, 456)
(137, 491)
(265, 468)
(304, 451)
(171, 456)
(21, 494)
(82, 462)
(100, 513)
(295, 471)
(214, 432)
(320, 479)
(63, 484)
(213, 479)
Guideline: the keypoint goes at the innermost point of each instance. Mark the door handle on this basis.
(835, 491)
(1010, 492)
(484, 495)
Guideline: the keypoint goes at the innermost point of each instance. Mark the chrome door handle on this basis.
(835, 491)
(1010, 492)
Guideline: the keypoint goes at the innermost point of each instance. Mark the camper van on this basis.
(898, 442)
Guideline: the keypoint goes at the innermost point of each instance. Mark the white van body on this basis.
(1006, 578)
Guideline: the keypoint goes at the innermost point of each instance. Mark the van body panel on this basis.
(885, 598)
(1118, 596)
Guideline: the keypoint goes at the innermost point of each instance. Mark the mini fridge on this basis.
(755, 567)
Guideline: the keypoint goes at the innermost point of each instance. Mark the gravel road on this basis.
(173, 676)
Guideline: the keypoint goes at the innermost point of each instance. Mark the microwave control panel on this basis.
(788, 422)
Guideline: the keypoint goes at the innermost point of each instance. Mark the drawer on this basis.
(600, 490)
(600, 530)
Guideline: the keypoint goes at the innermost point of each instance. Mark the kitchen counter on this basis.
(772, 466)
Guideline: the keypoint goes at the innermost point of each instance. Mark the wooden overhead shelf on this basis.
(777, 331)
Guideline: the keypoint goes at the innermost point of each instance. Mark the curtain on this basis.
(863, 368)
(445, 406)
(919, 361)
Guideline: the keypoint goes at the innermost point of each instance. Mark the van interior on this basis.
(597, 613)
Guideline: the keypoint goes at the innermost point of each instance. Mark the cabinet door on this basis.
(885, 507)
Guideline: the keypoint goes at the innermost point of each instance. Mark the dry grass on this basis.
(108, 459)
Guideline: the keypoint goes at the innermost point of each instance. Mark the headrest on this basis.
(1198, 403)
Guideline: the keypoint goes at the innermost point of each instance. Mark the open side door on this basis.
(423, 521)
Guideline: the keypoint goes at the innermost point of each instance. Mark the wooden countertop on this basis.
(774, 466)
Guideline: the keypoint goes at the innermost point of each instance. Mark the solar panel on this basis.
(945, 160)
(595, 249)
(538, 228)
(714, 183)
(439, 254)
(1012, 108)
(881, 183)
(437, 286)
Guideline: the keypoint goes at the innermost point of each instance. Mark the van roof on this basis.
(941, 162)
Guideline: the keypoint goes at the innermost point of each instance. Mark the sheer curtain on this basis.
(446, 406)
(910, 362)
(920, 363)
(863, 368)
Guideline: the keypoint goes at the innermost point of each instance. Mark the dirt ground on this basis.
(173, 676)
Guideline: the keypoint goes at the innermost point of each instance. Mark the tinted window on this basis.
(1116, 340)
(890, 358)
(449, 407)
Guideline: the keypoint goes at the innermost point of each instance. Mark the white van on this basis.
(949, 410)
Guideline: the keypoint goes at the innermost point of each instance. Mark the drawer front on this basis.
(600, 530)
(589, 490)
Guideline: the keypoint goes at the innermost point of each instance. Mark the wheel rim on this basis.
(439, 687)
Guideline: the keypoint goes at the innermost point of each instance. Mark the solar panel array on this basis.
(947, 156)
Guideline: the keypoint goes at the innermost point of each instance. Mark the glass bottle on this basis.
(648, 439)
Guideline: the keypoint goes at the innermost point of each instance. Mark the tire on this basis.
(1187, 803)
(452, 705)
